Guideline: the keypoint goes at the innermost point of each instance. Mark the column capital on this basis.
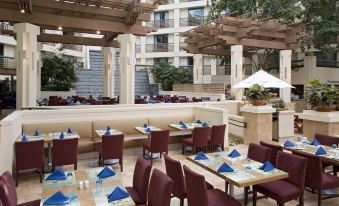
(26, 27)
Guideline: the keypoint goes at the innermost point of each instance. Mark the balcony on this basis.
(7, 65)
(192, 21)
(159, 24)
(159, 47)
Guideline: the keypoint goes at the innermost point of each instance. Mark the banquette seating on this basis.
(89, 142)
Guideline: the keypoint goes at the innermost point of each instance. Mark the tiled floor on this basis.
(30, 188)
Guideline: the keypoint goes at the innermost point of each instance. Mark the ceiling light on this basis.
(60, 28)
(98, 32)
(22, 11)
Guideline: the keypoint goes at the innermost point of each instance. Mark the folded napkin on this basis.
(106, 172)
(198, 121)
(108, 132)
(183, 125)
(225, 168)
(288, 143)
(315, 142)
(57, 199)
(36, 133)
(234, 154)
(181, 122)
(117, 194)
(205, 125)
(58, 174)
(24, 138)
(148, 129)
(69, 131)
(267, 166)
(108, 128)
(62, 135)
(320, 151)
(145, 125)
(200, 156)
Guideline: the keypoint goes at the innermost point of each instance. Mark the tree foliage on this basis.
(166, 74)
(58, 72)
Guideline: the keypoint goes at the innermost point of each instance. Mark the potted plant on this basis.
(320, 97)
(257, 95)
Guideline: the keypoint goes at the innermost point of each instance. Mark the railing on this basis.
(207, 70)
(7, 62)
(188, 67)
(160, 2)
(296, 64)
(5, 26)
(237, 122)
(192, 21)
(73, 47)
(327, 63)
(160, 47)
(166, 23)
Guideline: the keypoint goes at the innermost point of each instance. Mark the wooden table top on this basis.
(241, 178)
(85, 196)
(48, 137)
(190, 126)
(142, 130)
(101, 132)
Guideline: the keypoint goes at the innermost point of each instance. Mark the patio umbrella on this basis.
(264, 79)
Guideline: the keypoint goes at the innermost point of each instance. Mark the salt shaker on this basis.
(87, 184)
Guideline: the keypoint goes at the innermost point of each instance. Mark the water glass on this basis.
(98, 183)
(248, 170)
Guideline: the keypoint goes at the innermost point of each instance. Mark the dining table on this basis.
(146, 130)
(93, 195)
(189, 125)
(246, 172)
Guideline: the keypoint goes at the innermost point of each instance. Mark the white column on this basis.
(213, 66)
(27, 58)
(127, 68)
(39, 73)
(285, 73)
(108, 72)
(237, 73)
(198, 65)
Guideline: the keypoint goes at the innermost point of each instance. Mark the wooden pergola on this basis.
(213, 38)
(106, 17)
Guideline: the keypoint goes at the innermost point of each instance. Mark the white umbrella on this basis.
(264, 79)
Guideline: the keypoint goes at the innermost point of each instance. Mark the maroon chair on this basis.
(157, 144)
(65, 152)
(316, 178)
(112, 148)
(274, 151)
(217, 137)
(35, 151)
(199, 139)
(328, 141)
(174, 171)
(160, 187)
(197, 193)
(8, 196)
(141, 176)
(286, 189)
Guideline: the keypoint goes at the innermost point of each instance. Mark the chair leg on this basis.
(182, 201)
(319, 197)
(246, 194)
(40, 174)
(121, 165)
(301, 200)
(76, 166)
(160, 155)
(151, 158)
(143, 152)
(254, 198)
(16, 178)
(226, 187)
(222, 147)
(99, 160)
(183, 149)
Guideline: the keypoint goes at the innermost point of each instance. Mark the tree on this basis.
(58, 71)
(166, 74)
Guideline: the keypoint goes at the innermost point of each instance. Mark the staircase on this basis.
(90, 80)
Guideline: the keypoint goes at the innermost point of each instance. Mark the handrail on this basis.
(234, 123)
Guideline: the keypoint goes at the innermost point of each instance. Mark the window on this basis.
(161, 19)
(189, 61)
(157, 60)
(161, 39)
(1, 49)
(195, 16)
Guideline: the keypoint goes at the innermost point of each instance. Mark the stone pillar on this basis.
(285, 74)
(27, 58)
(127, 68)
(198, 64)
(259, 123)
(39, 73)
(213, 66)
(237, 72)
(310, 64)
(108, 72)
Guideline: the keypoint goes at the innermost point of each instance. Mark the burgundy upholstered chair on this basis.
(274, 151)
(197, 193)
(286, 189)
(65, 152)
(328, 141)
(112, 148)
(174, 171)
(141, 176)
(199, 139)
(29, 155)
(217, 137)
(8, 196)
(316, 178)
(160, 187)
(157, 144)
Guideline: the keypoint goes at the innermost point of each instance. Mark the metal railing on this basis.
(296, 64)
(165, 23)
(327, 63)
(7, 62)
(159, 47)
(237, 123)
(192, 21)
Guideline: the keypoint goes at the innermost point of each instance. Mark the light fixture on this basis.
(60, 28)
(98, 32)
(22, 11)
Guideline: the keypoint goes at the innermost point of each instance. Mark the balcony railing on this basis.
(160, 2)
(159, 47)
(297, 64)
(225, 69)
(192, 21)
(166, 23)
(327, 63)
(7, 62)
(73, 47)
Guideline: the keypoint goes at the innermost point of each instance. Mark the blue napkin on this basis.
(69, 131)
(320, 151)
(148, 129)
(267, 166)
(183, 125)
(181, 122)
(58, 174)
(234, 154)
(62, 135)
(288, 143)
(200, 156)
(198, 121)
(57, 199)
(117, 194)
(24, 138)
(107, 133)
(225, 168)
(315, 142)
(205, 125)
(145, 125)
(36, 133)
(108, 128)
(106, 172)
